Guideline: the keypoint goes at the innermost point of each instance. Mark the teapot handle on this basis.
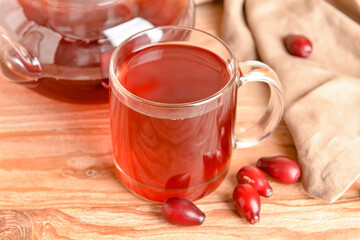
(17, 64)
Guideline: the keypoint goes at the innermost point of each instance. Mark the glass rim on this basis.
(119, 86)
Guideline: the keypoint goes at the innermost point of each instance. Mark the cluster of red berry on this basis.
(252, 184)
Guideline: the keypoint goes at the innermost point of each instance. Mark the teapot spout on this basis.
(17, 64)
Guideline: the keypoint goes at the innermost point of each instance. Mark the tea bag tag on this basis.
(118, 34)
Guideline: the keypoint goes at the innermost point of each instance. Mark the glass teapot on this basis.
(61, 48)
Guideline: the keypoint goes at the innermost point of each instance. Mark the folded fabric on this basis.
(321, 92)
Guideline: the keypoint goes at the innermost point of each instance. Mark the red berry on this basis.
(247, 202)
(180, 211)
(298, 45)
(256, 178)
(280, 168)
(181, 180)
(214, 163)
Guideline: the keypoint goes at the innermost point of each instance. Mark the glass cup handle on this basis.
(19, 65)
(255, 71)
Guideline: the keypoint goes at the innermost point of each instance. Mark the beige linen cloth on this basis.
(322, 92)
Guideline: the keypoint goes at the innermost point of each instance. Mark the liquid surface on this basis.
(158, 158)
(173, 73)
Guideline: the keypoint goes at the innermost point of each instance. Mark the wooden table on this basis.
(57, 179)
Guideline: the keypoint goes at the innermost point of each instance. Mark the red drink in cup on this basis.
(172, 110)
(165, 156)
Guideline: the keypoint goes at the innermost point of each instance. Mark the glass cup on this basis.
(164, 150)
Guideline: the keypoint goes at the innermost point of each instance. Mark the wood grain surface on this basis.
(57, 179)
